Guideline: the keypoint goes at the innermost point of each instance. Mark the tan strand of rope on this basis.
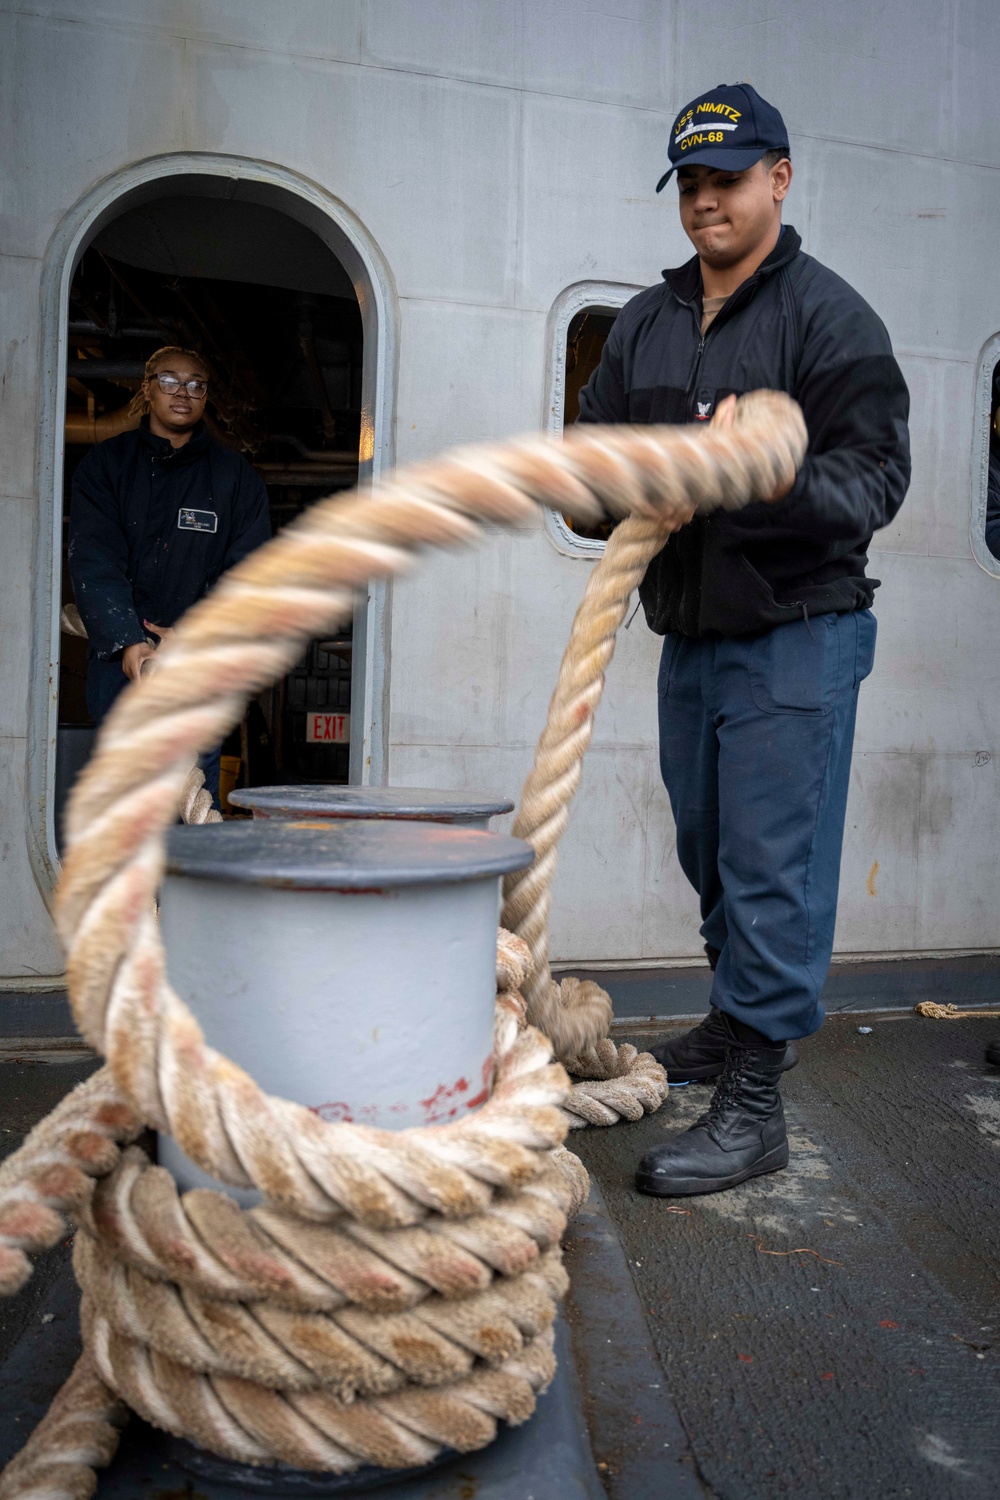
(932, 1010)
(455, 1228)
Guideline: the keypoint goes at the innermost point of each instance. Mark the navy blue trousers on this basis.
(755, 752)
(105, 680)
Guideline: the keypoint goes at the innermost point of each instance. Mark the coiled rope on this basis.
(394, 1293)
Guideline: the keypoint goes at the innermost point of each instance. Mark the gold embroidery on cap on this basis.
(709, 107)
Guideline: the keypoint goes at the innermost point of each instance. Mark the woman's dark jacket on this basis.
(793, 326)
(152, 527)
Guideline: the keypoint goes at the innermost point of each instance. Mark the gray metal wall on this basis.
(497, 152)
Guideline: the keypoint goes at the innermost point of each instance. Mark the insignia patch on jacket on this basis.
(197, 520)
(704, 410)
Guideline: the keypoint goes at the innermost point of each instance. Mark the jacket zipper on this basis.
(690, 607)
(695, 370)
(703, 339)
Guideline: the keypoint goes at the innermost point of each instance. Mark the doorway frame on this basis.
(345, 235)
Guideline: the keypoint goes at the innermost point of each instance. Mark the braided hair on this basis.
(139, 405)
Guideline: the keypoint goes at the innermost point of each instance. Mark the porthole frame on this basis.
(582, 296)
(983, 410)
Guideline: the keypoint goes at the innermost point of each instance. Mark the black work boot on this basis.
(741, 1135)
(700, 1055)
(993, 1053)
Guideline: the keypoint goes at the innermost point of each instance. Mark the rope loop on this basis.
(394, 1292)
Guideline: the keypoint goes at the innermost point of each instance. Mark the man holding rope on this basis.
(765, 614)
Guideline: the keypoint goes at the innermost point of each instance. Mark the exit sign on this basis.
(328, 729)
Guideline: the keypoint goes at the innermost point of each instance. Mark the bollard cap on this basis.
(404, 802)
(341, 854)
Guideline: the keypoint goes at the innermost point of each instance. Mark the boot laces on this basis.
(727, 1090)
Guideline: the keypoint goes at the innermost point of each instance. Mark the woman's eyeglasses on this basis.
(170, 385)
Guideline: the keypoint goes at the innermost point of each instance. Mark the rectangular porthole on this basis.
(984, 529)
(579, 324)
(585, 340)
(992, 524)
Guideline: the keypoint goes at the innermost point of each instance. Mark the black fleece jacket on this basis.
(793, 326)
(152, 527)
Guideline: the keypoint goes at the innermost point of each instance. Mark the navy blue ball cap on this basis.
(729, 127)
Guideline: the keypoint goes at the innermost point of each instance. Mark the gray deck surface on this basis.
(711, 1367)
(869, 1372)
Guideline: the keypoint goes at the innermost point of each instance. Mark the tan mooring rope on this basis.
(949, 1012)
(394, 1293)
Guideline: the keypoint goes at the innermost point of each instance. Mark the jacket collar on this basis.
(685, 280)
(162, 448)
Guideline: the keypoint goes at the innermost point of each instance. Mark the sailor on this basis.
(157, 514)
(765, 613)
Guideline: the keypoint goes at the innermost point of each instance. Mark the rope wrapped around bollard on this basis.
(395, 1292)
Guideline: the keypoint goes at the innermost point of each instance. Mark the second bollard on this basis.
(409, 804)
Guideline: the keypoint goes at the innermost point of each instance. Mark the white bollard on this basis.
(417, 804)
(348, 965)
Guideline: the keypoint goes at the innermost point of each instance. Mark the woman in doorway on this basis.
(157, 514)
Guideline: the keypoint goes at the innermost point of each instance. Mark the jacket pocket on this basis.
(867, 633)
(660, 589)
(794, 668)
(736, 599)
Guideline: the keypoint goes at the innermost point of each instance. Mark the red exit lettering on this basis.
(328, 729)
